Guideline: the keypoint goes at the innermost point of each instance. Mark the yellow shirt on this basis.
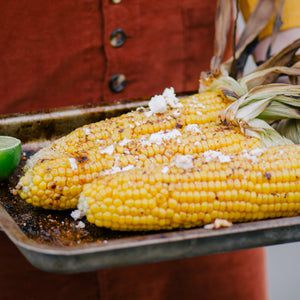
(290, 15)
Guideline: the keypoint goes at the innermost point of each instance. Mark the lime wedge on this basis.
(10, 155)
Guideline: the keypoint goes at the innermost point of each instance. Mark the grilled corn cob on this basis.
(245, 186)
(197, 109)
(54, 176)
(56, 183)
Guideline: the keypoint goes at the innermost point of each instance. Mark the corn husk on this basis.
(263, 12)
(263, 105)
(283, 63)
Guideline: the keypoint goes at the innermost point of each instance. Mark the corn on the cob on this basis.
(245, 186)
(55, 175)
(196, 109)
(56, 183)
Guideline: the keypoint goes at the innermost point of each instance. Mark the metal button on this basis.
(117, 83)
(117, 38)
(115, 1)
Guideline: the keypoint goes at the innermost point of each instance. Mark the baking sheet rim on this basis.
(21, 240)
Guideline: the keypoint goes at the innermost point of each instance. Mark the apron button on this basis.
(117, 83)
(117, 38)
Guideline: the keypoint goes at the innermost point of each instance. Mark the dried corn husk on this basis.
(265, 74)
(261, 15)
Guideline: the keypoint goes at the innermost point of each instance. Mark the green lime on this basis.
(10, 155)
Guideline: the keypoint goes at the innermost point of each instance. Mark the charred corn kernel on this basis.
(190, 205)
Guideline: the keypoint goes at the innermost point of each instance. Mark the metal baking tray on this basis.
(51, 240)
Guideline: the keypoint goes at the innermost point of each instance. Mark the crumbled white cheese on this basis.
(218, 223)
(172, 134)
(253, 154)
(108, 150)
(112, 170)
(170, 97)
(193, 128)
(116, 169)
(77, 214)
(86, 130)
(144, 142)
(224, 158)
(160, 103)
(156, 137)
(129, 167)
(257, 151)
(80, 225)
(165, 169)
(211, 155)
(73, 163)
(124, 142)
(161, 136)
(184, 161)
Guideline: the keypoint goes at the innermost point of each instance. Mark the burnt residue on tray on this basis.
(48, 226)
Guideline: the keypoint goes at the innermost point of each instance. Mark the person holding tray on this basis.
(62, 53)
